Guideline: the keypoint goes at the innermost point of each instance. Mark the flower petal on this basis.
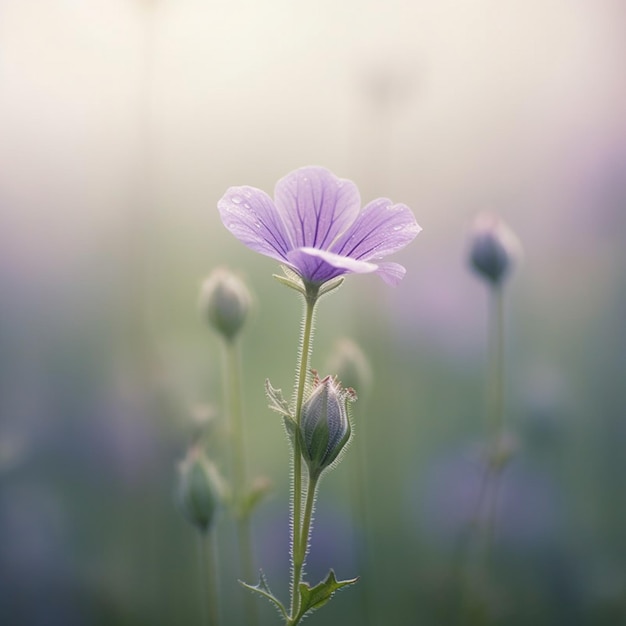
(316, 206)
(380, 229)
(318, 266)
(251, 216)
(391, 273)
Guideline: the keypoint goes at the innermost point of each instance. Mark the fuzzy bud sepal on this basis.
(325, 427)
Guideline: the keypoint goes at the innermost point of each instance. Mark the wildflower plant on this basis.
(201, 493)
(225, 302)
(315, 227)
(494, 250)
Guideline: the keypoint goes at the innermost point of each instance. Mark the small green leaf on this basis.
(263, 589)
(277, 402)
(291, 279)
(331, 285)
(312, 598)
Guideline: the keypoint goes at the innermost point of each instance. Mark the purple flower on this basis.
(316, 227)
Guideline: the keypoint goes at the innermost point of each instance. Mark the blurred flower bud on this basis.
(325, 425)
(199, 489)
(494, 248)
(225, 302)
(351, 366)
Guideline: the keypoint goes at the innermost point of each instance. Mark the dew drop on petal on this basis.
(235, 199)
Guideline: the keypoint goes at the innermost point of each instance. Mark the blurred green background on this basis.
(121, 124)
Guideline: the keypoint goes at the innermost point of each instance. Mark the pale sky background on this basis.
(111, 108)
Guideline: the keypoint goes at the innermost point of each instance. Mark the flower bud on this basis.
(494, 248)
(225, 302)
(325, 425)
(199, 489)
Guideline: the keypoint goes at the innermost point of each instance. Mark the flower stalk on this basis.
(208, 563)
(239, 474)
(494, 249)
(225, 303)
(200, 495)
(315, 227)
(297, 551)
(495, 461)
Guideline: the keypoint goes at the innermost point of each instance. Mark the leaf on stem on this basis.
(312, 598)
(277, 402)
(291, 279)
(263, 589)
(331, 285)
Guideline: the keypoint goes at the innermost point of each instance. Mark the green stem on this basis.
(207, 553)
(237, 446)
(303, 544)
(496, 376)
(238, 468)
(486, 502)
(361, 517)
(496, 408)
(296, 494)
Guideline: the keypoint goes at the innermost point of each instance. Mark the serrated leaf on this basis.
(312, 598)
(263, 589)
(277, 402)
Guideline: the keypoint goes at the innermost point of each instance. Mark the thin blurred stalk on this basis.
(232, 368)
(494, 249)
(485, 509)
(208, 560)
(495, 463)
(361, 516)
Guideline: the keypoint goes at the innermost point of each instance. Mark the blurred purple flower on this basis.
(315, 226)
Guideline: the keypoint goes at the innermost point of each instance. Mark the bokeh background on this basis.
(121, 124)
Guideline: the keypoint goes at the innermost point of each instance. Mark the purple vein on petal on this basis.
(316, 205)
(253, 219)
(382, 236)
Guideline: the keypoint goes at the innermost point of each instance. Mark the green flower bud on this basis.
(325, 424)
(225, 302)
(494, 248)
(199, 489)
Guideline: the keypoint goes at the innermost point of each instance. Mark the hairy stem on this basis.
(296, 494)
(303, 544)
